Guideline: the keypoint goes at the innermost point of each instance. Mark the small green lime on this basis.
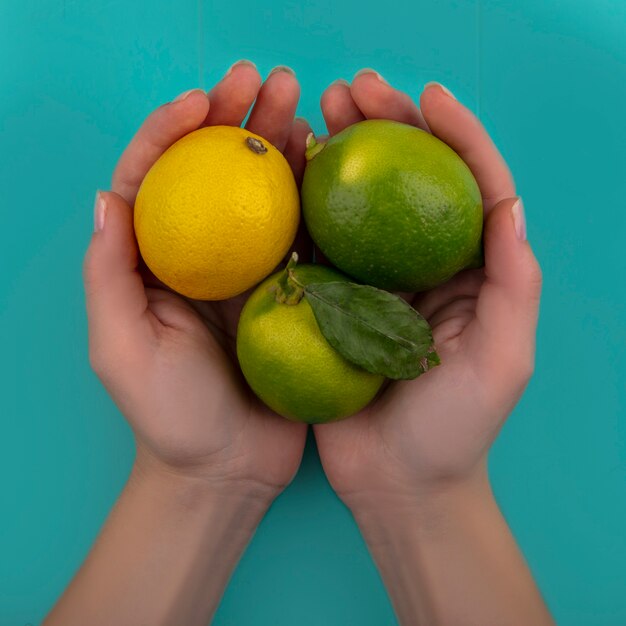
(288, 363)
(392, 205)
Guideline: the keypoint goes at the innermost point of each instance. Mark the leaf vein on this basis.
(407, 344)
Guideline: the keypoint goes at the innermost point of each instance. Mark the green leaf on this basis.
(372, 328)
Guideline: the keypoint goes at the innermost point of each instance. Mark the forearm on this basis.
(450, 559)
(164, 555)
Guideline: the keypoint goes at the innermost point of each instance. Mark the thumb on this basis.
(508, 302)
(115, 294)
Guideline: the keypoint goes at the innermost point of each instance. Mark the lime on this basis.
(288, 363)
(392, 205)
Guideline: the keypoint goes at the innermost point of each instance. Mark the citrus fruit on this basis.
(288, 363)
(216, 213)
(392, 205)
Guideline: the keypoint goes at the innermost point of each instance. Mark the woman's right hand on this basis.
(437, 429)
(412, 466)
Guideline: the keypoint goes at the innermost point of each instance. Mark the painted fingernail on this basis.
(99, 212)
(281, 68)
(183, 96)
(444, 89)
(238, 63)
(519, 219)
(341, 81)
(369, 70)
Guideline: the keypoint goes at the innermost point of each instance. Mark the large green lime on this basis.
(393, 206)
(288, 363)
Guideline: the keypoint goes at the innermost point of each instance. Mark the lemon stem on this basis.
(313, 146)
(289, 290)
(256, 145)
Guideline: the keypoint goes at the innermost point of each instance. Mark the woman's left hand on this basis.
(169, 362)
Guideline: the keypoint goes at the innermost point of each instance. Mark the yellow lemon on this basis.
(216, 213)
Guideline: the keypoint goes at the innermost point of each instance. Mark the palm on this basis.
(417, 425)
(197, 339)
(222, 318)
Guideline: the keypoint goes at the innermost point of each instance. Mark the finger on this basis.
(174, 311)
(508, 302)
(457, 126)
(464, 306)
(275, 106)
(162, 128)
(295, 147)
(378, 100)
(294, 153)
(465, 284)
(115, 295)
(233, 96)
(338, 107)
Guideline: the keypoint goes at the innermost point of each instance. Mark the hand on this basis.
(210, 457)
(412, 466)
(169, 362)
(435, 431)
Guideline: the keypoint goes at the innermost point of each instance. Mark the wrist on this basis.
(197, 493)
(447, 556)
(427, 506)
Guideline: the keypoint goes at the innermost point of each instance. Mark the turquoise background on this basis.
(548, 79)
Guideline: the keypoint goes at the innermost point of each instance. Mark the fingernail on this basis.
(281, 68)
(302, 120)
(184, 95)
(519, 219)
(369, 70)
(99, 212)
(444, 89)
(341, 81)
(240, 62)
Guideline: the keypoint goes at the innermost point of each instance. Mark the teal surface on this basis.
(549, 82)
